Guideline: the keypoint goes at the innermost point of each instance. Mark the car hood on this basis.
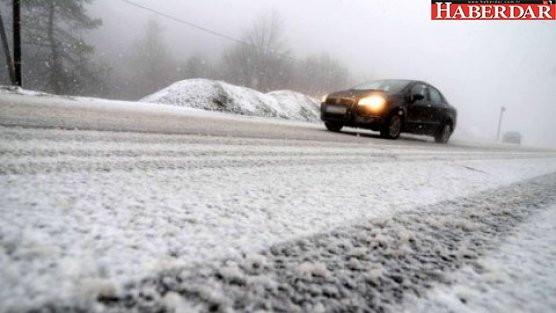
(353, 93)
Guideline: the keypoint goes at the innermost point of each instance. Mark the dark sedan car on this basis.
(391, 107)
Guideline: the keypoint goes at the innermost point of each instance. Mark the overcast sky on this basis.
(478, 65)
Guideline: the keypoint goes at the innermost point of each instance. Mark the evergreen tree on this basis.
(57, 59)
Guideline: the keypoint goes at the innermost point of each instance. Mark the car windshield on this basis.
(390, 86)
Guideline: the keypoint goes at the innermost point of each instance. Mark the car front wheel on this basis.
(333, 127)
(443, 134)
(393, 127)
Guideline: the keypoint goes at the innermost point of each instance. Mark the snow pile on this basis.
(219, 96)
(297, 104)
(20, 91)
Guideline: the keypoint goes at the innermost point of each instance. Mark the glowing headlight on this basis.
(324, 98)
(375, 103)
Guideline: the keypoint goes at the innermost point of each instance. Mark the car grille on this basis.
(342, 101)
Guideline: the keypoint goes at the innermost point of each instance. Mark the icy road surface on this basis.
(84, 213)
(276, 216)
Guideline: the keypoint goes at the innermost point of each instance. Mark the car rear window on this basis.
(436, 98)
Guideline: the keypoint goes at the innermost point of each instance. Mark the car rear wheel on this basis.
(333, 127)
(443, 134)
(393, 127)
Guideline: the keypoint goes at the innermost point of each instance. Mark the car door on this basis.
(419, 111)
(438, 106)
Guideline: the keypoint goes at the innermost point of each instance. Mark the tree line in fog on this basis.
(57, 58)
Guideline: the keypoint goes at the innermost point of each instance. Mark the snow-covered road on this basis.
(294, 219)
(89, 211)
(30, 109)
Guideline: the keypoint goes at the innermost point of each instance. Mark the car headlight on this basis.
(324, 98)
(374, 102)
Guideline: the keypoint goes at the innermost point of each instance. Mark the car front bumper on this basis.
(349, 116)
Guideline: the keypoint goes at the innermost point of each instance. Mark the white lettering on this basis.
(474, 11)
(444, 10)
(487, 10)
(513, 9)
(440, 10)
(460, 12)
(544, 12)
(500, 11)
(529, 12)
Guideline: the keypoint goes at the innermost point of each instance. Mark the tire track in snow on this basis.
(517, 276)
(57, 136)
(19, 154)
(22, 148)
(368, 267)
(98, 164)
(46, 149)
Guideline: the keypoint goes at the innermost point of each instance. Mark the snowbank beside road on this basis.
(24, 108)
(219, 96)
(297, 104)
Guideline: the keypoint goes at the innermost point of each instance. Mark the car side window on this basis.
(420, 89)
(436, 98)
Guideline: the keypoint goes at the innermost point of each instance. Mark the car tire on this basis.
(443, 134)
(393, 127)
(333, 127)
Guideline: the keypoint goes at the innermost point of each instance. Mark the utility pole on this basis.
(17, 41)
(6, 48)
(502, 109)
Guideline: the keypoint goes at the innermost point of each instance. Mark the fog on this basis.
(478, 65)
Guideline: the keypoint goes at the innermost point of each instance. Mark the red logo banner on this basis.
(494, 10)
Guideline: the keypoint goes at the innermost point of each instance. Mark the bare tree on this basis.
(152, 66)
(320, 74)
(197, 67)
(262, 60)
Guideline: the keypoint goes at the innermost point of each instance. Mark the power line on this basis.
(179, 20)
(201, 28)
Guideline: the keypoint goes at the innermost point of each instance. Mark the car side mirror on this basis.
(416, 97)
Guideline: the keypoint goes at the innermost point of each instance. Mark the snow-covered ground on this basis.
(86, 215)
(89, 211)
(223, 97)
(519, 276)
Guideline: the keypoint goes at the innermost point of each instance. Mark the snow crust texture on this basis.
(517, 276)
(87, 215)
(371, 266)
(223, 97)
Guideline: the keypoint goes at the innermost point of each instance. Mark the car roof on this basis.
(408, 81)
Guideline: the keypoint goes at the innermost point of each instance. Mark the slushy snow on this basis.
(90, 211)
